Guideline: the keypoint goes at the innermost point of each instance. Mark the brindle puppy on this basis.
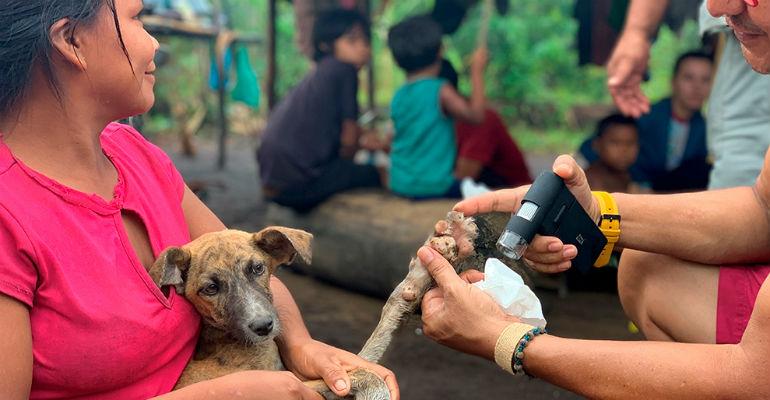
(226, 276)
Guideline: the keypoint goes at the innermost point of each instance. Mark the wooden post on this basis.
(271, 64)
(221, 94)
(371, 88)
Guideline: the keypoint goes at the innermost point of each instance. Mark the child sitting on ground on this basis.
(423, 151)
(307, 148)
(486, 152)
(617, 144)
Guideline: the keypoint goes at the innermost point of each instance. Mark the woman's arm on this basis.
(200, 219)
(16, 349)
(247, 385)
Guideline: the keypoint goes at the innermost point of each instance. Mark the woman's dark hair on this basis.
(415, 42)
(24, 40)
(330, 25)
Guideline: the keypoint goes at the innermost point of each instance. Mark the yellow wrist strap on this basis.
(507, 342)
(609, 224)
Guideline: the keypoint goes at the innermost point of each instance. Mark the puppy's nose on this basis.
(262, 326)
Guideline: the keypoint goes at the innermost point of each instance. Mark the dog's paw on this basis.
(453, 237)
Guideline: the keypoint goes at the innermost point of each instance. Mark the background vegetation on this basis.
(532, 77)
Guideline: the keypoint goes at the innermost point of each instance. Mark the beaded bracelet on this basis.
(518, 355)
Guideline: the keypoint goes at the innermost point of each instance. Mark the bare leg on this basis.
(668, 298)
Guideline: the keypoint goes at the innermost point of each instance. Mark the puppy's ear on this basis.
(283, 244)
(171, 268)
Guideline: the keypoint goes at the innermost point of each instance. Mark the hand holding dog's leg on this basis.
(313, 359)
(310, 359)
(455, 305)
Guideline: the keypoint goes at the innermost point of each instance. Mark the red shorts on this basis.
(738, 288)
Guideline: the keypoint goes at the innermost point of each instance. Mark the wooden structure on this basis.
(221, 39)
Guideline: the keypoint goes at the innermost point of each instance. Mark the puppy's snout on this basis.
(262, 326)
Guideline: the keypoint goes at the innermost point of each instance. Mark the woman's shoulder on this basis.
(124, 139)
(118, 131)
(125, 143)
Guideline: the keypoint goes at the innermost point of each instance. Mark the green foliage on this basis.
(532, 75)
(532, 62)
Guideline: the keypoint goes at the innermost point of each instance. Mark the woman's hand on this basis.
(311, 359)
(457, 314)
(251, 385)
(546, 253)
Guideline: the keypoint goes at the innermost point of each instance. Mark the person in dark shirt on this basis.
(306, 152)
(617, 144)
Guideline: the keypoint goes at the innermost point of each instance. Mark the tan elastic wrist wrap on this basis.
(507, 342)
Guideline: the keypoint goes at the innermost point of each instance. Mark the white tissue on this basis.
(510, 292)
(470, 188)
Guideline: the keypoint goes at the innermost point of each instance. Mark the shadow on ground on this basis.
(425, 370)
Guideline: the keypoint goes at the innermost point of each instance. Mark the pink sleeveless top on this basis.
(101, 329)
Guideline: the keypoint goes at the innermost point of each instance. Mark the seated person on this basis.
(311, 137)
(423, 151)
(486, 153)
(672, 137)
(617, 144)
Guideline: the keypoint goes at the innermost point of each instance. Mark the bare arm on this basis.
(714, 227)
(466, 167)
(628, 61)
(16, 348)
(456, 105)
(646, 370)
(603, 369)
(200, 219)
(349, 137)
(644, 16)
(247, 385)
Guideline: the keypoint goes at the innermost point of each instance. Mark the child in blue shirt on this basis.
(424, 148)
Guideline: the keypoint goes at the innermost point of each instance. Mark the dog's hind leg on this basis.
(365, 385)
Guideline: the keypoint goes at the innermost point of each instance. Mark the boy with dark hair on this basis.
(486, 152)
(312, 135)
(617, 144)
(672, 136)
(424, 149)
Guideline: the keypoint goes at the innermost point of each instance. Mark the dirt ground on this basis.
(425, 370)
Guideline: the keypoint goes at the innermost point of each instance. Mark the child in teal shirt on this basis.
(424, 147)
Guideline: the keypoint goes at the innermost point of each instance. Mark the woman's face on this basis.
(120, 90)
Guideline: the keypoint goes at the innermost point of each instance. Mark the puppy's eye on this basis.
(210, 290)
(256, 269)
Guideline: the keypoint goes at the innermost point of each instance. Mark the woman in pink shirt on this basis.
(85, 207)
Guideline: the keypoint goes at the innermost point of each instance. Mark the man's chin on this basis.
(759, 62)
